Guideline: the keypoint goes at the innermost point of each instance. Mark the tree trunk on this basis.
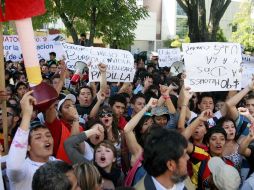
(70, 28)
(202, 20)
(92, 26)
(217, 10)
(196, 12)
(67, 23)
(193, 21)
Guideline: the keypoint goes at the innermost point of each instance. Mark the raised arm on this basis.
(100, 99)
(125, 88)
(72, 144)
(103, 78)
(165, 91)
(180, 102)
(204, 116)
(18, 150)
(243, 148)
(133, 146)
(233, 101)
(186, 96)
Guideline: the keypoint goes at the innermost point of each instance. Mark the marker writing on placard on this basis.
(115, 76)
(213, 71)
(224, 83)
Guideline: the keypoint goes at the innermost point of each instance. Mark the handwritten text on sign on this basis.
(120, 63)
(168, 56)
(212, 66)
(45, 45)
(247, 69)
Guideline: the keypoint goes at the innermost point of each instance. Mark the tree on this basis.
(244, 27)
(113, 20)
(199, 30)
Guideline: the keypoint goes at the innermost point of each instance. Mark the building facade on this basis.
(167, 19)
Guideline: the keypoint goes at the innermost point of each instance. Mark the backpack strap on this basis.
(242, 128)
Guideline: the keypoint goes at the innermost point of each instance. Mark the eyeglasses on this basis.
(109, 114)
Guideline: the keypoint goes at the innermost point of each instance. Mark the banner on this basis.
(45, 45)
(247, 69)
(212, 66)
(120, 63)
(169, 56)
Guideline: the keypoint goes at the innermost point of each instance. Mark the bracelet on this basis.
(184, 105)
(166, 97)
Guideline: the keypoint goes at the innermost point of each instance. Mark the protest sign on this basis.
(120, 63)
(212, 66)
(168, 56)
(248, 58)
(45, 45)
(247, 69)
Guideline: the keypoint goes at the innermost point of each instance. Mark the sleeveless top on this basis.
(236, 158)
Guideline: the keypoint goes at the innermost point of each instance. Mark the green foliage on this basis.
(220, 37)
(115, 20)
(244, 25)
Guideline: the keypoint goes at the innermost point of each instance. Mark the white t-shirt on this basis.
(20, 169)
(158, 186)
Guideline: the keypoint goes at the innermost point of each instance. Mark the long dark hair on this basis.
(115, 131)
(140, 136)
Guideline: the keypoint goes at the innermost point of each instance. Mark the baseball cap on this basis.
(159, 111)
(225, 177)
(67, 97)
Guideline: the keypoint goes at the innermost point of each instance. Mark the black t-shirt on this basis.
(84, 111)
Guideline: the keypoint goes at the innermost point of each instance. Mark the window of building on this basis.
(181, 26)
(179, 10)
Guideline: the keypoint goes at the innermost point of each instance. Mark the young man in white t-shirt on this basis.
(30, 148)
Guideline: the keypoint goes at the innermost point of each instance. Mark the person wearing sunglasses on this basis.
(113, 134)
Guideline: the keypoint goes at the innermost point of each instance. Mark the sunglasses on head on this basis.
(108, 114)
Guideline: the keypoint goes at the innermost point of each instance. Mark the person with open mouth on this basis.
(80, 147)
(230, 150)
(113, 134)
(215, 140)
(31, 148)
(105, 161)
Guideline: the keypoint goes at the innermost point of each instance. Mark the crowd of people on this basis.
(153, 133)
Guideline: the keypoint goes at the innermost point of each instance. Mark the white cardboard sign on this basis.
(168, 56)
(247, 69)
(45, 45)
(212, 66)
(120, 63)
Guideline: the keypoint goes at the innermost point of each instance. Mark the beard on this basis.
(177, 177)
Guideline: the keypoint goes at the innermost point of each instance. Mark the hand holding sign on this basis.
(102, 67)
